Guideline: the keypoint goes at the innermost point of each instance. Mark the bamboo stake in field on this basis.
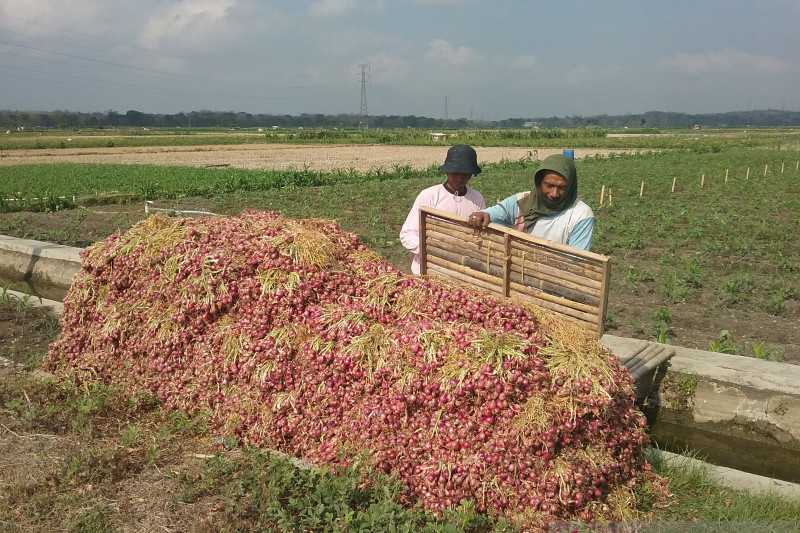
(602, 195)
(797, 165)
(674, 181)
(766, 168)
(641, 190)
(609, 197)
(782, 167)
(702, 181)
(747, 177)
(726, 175)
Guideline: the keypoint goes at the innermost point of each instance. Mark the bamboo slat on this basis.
(493, 253)
(507, 267)
(631, 360)
(604, 303)
(582, 311)
(532, 278)
(568, 314)
(458, 232)
(448, 218)
(557, 289)
(423, 248)
(652, 364)
(479, 264)
(463, 236)
(494, 257)
(559, 260)
(653, 352)
(460, 252)
(519, 242)
(476, 274)
(448, 274)
(503, 261)
(531, 271)
(531, 261)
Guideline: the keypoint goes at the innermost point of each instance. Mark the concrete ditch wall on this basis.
(736, 411)
(41, 268)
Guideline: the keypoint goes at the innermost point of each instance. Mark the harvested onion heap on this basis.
(296, 337)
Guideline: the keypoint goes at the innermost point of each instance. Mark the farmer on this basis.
(452, 196)
(550, 211)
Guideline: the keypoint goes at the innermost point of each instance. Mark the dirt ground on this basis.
(279, 156)
(64, 465)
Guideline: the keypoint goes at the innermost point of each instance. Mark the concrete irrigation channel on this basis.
(738, 413)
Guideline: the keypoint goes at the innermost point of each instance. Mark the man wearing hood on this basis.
(452, 196)
(550, 211)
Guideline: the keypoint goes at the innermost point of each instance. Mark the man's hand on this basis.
(479, 219)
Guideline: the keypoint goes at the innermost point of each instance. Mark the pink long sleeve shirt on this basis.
(436, 197)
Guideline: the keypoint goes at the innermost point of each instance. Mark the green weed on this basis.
(736, 288)
(725, 343)
(662, 329)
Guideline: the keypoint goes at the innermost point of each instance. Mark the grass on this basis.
(702, 505)
(554, 137)
(51, 187)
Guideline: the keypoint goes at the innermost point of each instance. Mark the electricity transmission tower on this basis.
(363, 121)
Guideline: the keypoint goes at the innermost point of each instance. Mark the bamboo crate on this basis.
(512, 264)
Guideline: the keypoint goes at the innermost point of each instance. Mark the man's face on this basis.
(457, 180)
(553, 188)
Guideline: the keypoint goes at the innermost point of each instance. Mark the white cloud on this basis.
(523, 62)
(439, 2)
(386, 69)
(724, 60)
(46, 17)
(331, 8)
(441, 51)
(188, 24)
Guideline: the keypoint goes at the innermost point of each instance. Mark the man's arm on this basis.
(504, 212)
(581, 236)
(409, 233)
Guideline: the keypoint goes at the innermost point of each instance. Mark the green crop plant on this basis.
(662, 329)
(725, 343)
(737, 288)
(761, 350)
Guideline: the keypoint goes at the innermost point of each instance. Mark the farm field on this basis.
(527, 137)
(712, 268)
(320, 157)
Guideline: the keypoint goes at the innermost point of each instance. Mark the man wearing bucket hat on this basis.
(551, 210)
(452, 196)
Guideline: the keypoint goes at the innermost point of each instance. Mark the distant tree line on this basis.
(663, 119)
(230, 119)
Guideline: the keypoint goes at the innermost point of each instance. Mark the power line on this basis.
(179, 77)
(94, 60)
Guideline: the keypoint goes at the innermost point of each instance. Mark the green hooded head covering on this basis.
(535, 205)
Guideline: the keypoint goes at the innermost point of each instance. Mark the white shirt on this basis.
(436, 197)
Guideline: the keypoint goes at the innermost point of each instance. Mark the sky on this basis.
(490, 59)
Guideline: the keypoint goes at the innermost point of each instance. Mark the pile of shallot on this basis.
(294, 336)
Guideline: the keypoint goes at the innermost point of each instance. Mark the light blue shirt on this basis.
(573, 226)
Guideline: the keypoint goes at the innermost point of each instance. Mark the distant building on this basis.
(438, 136)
